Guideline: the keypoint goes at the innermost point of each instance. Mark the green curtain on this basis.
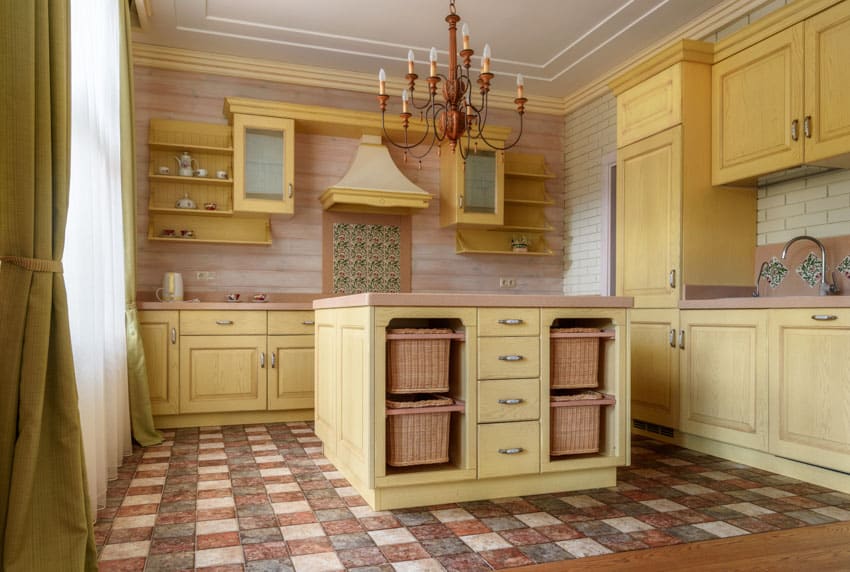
(140, 402)
(45, 520)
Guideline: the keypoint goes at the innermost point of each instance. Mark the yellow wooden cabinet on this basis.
(654, 341)
(291, 372)
(810, 386)
(160, 338)
(206, 214)
(723, 376)
(263, 164)
(506, 449)
(783, 101)
(650, 107)
(472, 190)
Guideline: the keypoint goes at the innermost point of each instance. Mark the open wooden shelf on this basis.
(190, 180)
(497, 241)
(220, 230)
(190, 212)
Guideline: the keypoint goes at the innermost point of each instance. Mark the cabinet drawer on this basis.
(508, 322)
(508, 449)
(222, 322)
(508, 400)
(650, 107)
(508, 358)
(291, 322)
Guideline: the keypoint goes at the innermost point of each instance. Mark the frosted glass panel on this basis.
(480, 182)
(263, 164)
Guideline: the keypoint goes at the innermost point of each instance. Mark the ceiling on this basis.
(560, 46)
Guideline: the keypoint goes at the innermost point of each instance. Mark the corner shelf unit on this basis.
(211, 148)
(525, 201)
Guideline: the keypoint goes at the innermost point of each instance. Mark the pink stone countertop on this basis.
(217, 302)
(473, 300)
(766, 302)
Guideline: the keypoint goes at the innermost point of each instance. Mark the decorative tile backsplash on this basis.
(844, 266)
(774, 272)
(810, 269)
(366, 258)
(799, 273)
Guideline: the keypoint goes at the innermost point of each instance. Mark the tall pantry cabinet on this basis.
(672, 226)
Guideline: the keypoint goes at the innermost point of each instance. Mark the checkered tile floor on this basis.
(263, 498)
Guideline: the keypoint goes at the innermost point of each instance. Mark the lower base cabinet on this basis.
(506, 449)
(653, 341)
(159, 333)
(723, 376)
(810, 386)
(290, 374)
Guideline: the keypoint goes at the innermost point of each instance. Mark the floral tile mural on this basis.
(774, 272)
(366, 258)
(810, 270)
(844, 266)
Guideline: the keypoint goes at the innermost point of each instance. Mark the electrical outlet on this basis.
(507, 283)
(205, 275)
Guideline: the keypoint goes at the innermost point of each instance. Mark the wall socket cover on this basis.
(507, 283)
(205, 275)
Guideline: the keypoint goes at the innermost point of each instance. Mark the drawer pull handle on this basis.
(224, 322)
(511, 451)
(511, 358)
(173, 335)
(308, 322)
(824, 317)
(510, 322)
(510, 401)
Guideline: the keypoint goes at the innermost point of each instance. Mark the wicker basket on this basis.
(418, 436)
(419, 364)
(574, 422)
(574, 361)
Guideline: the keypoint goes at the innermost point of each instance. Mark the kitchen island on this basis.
(501, 436)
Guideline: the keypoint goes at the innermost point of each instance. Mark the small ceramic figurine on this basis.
(185, 202)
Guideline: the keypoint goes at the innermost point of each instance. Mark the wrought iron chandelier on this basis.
(456, 116)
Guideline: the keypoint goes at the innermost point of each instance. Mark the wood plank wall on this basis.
(293, 263)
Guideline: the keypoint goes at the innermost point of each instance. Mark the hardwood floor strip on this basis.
(824, 548)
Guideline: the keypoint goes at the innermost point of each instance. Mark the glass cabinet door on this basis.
(264, 164)
(472, 190)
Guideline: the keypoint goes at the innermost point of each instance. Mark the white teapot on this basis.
(185, 202)
(185, 164)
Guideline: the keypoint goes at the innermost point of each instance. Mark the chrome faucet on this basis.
(825, 288)
(758, 279)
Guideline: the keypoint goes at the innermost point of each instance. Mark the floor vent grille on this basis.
(653, 428)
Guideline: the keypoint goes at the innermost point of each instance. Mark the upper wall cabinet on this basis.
(783, 101)
(650, 107)
(472, 189)
(264, 164)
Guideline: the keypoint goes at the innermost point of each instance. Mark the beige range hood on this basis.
(373, 184)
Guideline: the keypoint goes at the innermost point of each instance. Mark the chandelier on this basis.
(456, 116)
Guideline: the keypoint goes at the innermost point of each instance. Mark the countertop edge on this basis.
(472, 300)
(766, 302)
(224, 306)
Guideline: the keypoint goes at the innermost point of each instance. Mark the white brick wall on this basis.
(591, 133)
(818, 206)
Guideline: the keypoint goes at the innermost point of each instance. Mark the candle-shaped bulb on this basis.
(433, 58)
(410, 61)
(405, 97)
(464, 31)
(520, 83)
(485, 59)
(382, 82)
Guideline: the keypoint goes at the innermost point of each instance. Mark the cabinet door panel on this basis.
(159, 335)
(655, 366)
(291, 373)
(472, 191)
(650, 107)
(757, 93)
(222, 373)
(649, 183)
(724, 376)
(828, 83)
(810, 388)
(263, 164)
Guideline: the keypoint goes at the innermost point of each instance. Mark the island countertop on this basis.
(766, 302)
(447, 299)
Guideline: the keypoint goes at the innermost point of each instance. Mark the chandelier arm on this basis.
(406, 146)
(506, 146)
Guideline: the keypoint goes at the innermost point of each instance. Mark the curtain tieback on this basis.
(34, 264)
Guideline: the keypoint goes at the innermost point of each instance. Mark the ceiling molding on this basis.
(252, 68)
(708, 23)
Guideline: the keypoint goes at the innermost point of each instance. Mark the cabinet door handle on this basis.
(671, 337)
(511, 451)
(262, 359)
(308, 322)
(510, 358)
(794, 134)
(224, 322)
(173, 335)
(274, 359)
(824, 317)
(513, 401)
(671, 279)
(460, 201)
(290, 190)
(807, 126)
(682, 339)
(510, 322)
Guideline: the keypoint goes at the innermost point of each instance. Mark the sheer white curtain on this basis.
(94, 259)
